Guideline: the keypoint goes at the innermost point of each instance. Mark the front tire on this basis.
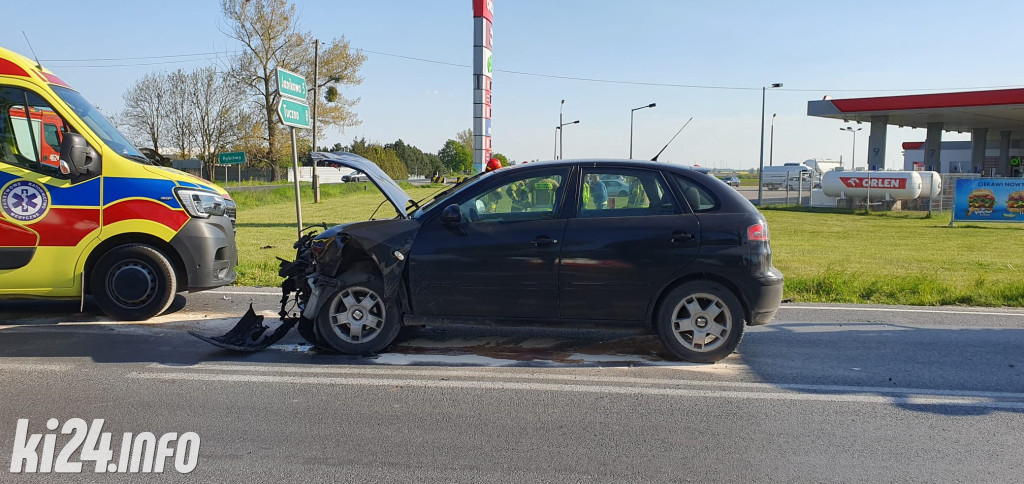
(700, 321)
(133, 282)
(357, 319)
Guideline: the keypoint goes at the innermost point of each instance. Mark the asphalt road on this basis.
(825, 393)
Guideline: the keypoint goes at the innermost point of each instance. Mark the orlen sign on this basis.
(898, 185)
(865, 182)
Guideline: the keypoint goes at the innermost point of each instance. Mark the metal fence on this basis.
(227, 175)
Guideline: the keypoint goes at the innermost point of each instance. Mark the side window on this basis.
(611, 192)
(698, 197)
(30, 132)
(533, 195)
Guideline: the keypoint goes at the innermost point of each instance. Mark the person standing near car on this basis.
(519, 195)
(492, 198)
(598, 192)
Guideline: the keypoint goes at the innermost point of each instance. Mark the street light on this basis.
(651, 105)
(554, 156)
(760, 165)
(853, 157)
(560, 106)
(771, 142)
(560, 131)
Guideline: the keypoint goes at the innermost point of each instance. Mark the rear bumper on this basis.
(767, 299)
(208, 252)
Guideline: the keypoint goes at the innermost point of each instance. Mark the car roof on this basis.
(660, 165)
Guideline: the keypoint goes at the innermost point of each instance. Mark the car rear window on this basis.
(699, 198)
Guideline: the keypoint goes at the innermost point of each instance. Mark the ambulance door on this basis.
(45, 220)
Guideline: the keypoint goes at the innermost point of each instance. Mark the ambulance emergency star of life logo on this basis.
(24, 201)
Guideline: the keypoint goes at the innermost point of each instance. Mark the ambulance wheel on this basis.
(357, 319)
(133, 282)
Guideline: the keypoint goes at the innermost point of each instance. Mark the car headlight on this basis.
(201, 203)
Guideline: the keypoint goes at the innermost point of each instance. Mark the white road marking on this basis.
(543, 375)
(247, 293)
(902, 310)
(34, 367)
(572, 388)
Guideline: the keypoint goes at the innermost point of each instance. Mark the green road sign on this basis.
(291, 85)
(233, 158)
(294, 113)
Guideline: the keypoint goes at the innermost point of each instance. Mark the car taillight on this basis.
(758, 232)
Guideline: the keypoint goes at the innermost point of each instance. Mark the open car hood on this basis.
(387, 186)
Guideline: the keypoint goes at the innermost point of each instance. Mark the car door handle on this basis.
(544, 240)
(679, 237)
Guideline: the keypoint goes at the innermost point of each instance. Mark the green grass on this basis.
(895, 258)
(267, 227)
(882, 258)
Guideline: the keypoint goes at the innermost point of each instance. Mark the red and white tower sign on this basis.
(483, 69)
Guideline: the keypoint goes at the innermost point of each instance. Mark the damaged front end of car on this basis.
(365, 255)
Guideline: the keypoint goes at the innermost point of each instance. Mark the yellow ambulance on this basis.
(83, 212)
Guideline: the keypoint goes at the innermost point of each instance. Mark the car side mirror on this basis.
(451, 215)
(78, 159)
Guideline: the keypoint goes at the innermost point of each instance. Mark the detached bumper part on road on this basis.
(208, 252)
(769, 298)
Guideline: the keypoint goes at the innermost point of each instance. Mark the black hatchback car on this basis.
(670, 249)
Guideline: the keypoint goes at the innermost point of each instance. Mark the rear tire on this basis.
(133, 282)
(357, 319)
(700, 321)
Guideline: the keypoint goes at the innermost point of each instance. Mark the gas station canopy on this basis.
(957, 111)
(995, 120)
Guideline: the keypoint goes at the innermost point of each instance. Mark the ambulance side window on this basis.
(29, 132)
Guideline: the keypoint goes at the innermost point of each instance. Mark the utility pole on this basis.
(316, 90)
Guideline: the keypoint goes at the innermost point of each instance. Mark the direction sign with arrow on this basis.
(294, 113)
(291, 85)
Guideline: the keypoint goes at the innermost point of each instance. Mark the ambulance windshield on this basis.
(99, 124)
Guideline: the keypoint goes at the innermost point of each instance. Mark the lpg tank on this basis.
(896, 185)
(931, 184)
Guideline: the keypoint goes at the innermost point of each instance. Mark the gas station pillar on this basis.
(876, 142)
(979, 141)
(1004, 155)
(933, 148)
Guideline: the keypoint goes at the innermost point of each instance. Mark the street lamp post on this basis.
(560, 131)
(771, 142)
(560, 124)
(853, 157)
(651, 105)
(554, 156)
(760, 165)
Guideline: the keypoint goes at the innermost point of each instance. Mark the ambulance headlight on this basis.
(201, 203)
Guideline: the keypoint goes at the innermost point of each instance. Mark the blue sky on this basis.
(844, 49)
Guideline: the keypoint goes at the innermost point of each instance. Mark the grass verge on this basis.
(881, 258)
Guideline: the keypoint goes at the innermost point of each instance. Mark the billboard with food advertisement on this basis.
(989, 200)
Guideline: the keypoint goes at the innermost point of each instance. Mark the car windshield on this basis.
(446, 194)
(99, 124)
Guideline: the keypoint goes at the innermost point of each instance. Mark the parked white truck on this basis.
(776, 177)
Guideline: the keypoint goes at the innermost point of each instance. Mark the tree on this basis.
(466, 138)
(216, 105)
(144, 113)
(502, 158)
(456, 157)
(418, 162)
(180, 116)
(337, 65)
(268, 32)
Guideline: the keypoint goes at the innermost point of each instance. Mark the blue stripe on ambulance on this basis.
(160, 190)
(81, 195)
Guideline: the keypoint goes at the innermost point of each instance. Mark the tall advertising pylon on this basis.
(483, 69)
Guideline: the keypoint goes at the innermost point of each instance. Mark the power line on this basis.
(140, 58)
(206, 56)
